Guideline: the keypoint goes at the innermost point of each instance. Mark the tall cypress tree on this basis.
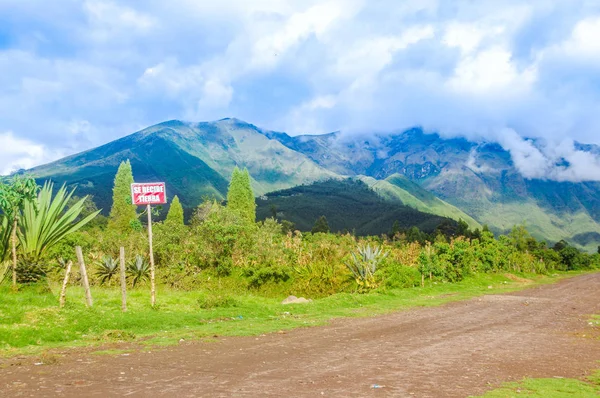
(240, 196)
(175, 214)
(123, 212)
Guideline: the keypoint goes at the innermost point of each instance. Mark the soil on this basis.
(455, 350)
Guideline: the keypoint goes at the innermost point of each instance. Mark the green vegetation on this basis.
(336, 200)
(399, 188)
(123, 217)
(240, 197)
(12, 198)
(175, 214)
(321, 225)
(549, 388)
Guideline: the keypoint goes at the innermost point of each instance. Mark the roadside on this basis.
(459, 349)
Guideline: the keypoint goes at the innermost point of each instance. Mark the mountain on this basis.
(480, 179)
(455, 178)
(195, 159)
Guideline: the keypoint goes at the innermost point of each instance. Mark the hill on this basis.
(348, 205)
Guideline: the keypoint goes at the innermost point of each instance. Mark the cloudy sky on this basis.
(76, 74)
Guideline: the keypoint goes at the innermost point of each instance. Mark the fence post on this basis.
(63, 290)
(123, 281)
(84, 278)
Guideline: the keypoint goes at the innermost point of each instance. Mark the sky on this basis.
(75, 74)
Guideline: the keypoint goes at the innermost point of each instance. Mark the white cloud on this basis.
(17, 153)
(95, 70)
(491, 70)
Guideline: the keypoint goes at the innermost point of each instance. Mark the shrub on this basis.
(210, 301)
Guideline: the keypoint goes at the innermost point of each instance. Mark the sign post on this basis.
(148, 194)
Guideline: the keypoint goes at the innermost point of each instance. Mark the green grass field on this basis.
(549, 388)
(31, 320)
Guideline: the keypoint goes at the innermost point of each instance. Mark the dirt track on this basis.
(455, 350)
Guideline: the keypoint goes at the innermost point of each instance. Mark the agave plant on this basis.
(364, 264)
(107, 268)
(138, 270)
(46, 220)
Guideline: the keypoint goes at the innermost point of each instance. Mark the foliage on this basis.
(240, 197)
(138, 270)
(123, 217)
(321, 225)
(210, 301)
(337, 199)
(12, 198)
(106, 269)
(175, 214)
(364, 264)
(46, 220)
(15, 194)
(5, 233)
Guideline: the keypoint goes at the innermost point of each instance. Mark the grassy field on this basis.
(549, 388)
(31, 321)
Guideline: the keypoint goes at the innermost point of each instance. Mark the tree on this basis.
(598, 249)
(463, 228)
(175, 214)
(123, 214)
(240, 197)
(12, 198)
(321, 225)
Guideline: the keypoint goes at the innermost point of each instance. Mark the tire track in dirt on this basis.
(454, 350)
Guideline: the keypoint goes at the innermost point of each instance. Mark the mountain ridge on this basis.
(475, 181)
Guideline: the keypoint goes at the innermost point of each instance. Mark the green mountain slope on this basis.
(400, 188)
(348, 205)
(195, 160)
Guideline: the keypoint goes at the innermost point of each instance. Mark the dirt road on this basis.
(455, 350)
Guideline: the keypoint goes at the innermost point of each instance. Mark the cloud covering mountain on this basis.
(76, 74)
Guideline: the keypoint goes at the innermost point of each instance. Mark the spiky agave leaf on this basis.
(107, 268)
(46, 220)
(138, 269)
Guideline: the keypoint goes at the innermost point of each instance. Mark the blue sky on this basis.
(77, 74)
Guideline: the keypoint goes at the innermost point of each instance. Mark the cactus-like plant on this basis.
(107, 268)
(138, 270)
(364, 264)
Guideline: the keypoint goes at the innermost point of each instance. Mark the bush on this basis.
(210, 301)
(398, 276)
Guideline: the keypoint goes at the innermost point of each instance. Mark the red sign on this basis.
(148, 193)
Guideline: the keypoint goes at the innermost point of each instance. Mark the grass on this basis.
(31, 321)
(549, 388)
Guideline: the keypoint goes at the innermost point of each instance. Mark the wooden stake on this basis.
(63, 291)
(14, 253)
(422, 280)
(152, 288)
(84, 278)
(123, 281)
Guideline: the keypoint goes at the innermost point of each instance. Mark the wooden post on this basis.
(63, 291)
(14, 253)
(152, 288)
(84, 278)
(123, 282)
